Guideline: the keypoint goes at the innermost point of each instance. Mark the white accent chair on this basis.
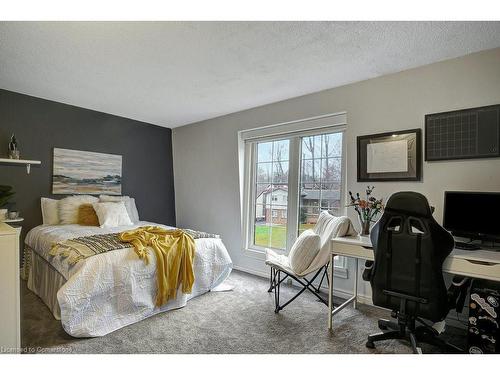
(309, 255)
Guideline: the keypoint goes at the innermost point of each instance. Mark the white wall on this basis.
(206, 153)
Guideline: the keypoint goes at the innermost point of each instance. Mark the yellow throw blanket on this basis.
(174, 250)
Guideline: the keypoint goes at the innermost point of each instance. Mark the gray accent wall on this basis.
(206, 154)
(40, 125)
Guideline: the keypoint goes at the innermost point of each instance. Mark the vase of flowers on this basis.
(367, 209)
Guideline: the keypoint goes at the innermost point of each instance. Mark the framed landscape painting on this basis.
(83, 172)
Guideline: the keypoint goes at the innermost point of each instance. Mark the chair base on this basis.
(276, 280)
(408, 332)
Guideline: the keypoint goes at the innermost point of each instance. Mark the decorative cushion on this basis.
(68, 207)
(112, 214)
(329, 226)
(304, 250)
(87, 216)
(50, 211)
(129, 205)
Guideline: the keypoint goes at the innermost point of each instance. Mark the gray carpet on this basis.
(238, 321)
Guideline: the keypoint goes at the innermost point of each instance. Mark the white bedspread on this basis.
(108, 291)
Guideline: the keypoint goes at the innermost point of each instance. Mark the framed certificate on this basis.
(391, 156)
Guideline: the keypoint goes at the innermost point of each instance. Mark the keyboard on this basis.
(466, 246)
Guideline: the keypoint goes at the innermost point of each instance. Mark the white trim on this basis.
(251, 271)
(289, 127)
(293, 192)
(293, 131)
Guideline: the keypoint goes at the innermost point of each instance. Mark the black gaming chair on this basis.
(410, 247)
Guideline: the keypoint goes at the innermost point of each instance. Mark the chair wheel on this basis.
(382, 325)
(370, 345)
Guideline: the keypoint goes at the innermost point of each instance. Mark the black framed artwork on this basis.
(391, 156)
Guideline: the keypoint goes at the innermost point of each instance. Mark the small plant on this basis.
(13, 143)
(13, 147)
(367, 209)
(5, 194)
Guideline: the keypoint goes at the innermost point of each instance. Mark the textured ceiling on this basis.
(175, 73)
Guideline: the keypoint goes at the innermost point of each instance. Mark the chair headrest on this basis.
(409, 203)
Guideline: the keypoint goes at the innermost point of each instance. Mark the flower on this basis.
(368, 208)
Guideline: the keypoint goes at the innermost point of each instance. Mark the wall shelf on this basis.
(28, 163)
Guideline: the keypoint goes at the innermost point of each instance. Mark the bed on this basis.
(111, 290)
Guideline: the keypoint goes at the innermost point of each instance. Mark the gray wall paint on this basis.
(40, 125)
(206, 153)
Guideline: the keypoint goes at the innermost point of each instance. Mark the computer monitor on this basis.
(474, 215)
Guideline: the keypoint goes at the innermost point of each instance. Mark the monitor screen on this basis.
(472, 214)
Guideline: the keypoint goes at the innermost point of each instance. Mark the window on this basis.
(271, 193)
(320, 177)
(289, 179)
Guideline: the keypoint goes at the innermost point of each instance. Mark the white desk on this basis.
(479, 264)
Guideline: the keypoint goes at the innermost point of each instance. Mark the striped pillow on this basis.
(304, 250)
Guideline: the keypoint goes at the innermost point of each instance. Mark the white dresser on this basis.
(10, 311)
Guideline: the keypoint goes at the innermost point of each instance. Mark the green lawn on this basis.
(276, 233)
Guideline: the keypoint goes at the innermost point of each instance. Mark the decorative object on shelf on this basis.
(5, 194)
(13, 148)
(13, 215)
(83, 172)
(392, 156)
(367, 209)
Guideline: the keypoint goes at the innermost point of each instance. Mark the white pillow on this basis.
(50, 211)
(68, 207)
(111, 214)
(304, 250)
(129, 205)
(135, 214)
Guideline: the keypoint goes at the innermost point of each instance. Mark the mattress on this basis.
(108, 291)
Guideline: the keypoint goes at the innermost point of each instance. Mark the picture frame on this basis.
(390, 156)
(86, 172)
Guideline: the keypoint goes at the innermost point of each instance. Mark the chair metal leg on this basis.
(385, 324)
(305, 286)
(325, 274)
(271, 281)
(277, 291)
(413, 342)
(424, 335)
(383, 336)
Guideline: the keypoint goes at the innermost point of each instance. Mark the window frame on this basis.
(248, 183)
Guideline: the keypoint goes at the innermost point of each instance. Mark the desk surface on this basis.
(489, 256)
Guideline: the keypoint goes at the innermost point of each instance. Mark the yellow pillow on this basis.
(87, 216)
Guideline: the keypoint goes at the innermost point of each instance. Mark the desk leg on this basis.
(355, 303)
(330, 292)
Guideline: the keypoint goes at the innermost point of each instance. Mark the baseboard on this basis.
(251, 271)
